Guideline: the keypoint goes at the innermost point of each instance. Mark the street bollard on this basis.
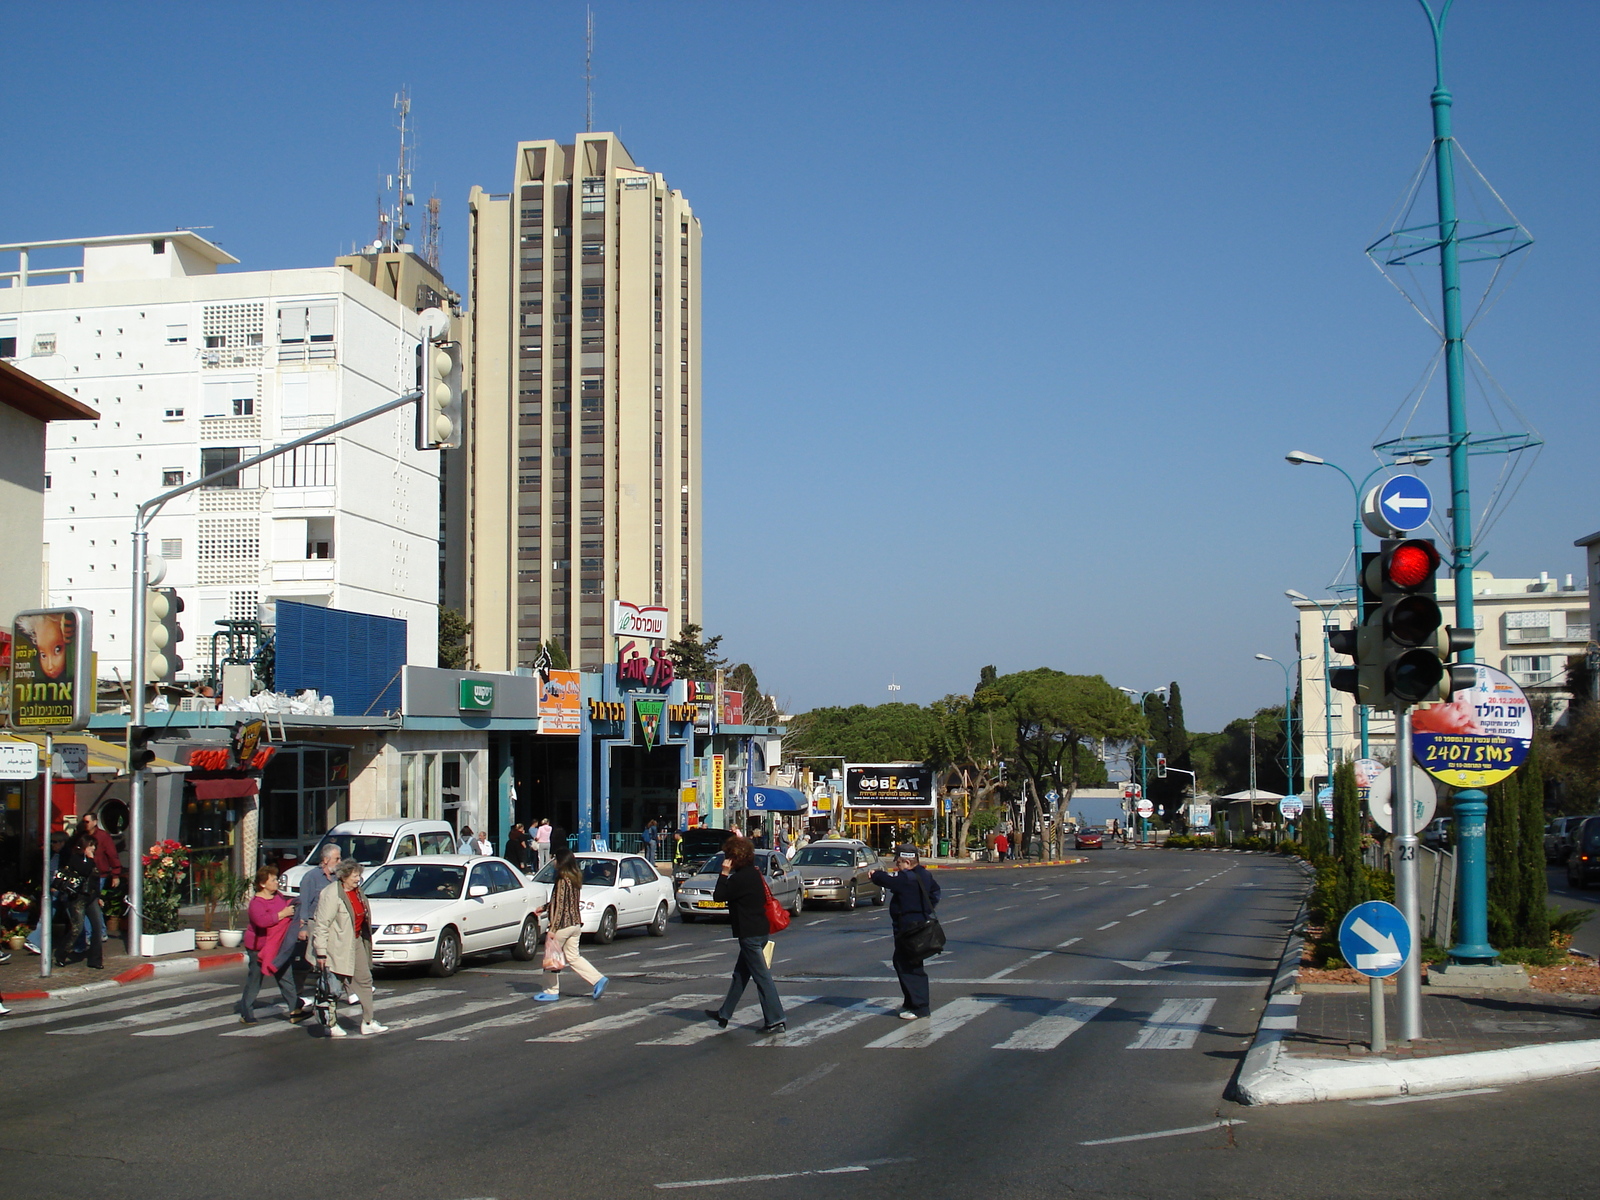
(1380, 1039)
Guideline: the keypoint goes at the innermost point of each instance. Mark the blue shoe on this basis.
(548, 996)
(600, 988)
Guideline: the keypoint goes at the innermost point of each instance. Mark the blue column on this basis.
(585, 780)
(502, 789)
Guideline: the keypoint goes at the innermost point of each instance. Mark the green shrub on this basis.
(1543, 956)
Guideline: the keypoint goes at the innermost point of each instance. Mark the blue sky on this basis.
(1011, 310)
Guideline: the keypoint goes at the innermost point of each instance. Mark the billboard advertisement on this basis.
(639, 621)
(560, 709)
(888, 785)
(52, 679)
(1479, 737)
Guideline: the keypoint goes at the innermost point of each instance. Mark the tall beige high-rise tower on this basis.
(579, 475)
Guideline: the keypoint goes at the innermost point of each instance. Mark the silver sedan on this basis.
(695, 896)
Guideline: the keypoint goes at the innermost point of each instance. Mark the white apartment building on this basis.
(192, 369)
(1525, 627)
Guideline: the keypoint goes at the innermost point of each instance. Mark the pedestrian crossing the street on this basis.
(1017, 1023)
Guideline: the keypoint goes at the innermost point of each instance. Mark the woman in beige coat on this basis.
(341, 938)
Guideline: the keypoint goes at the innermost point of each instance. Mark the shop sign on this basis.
(70, 761)
(649, 720)
(733, 708)
(719, 781)
(19, 760)
(477, 695)
(891, 785)
(560, 709)
(653, 672)
(247, 739)
(1477, 739)
(632, 621)
(608, 710)
(52, 678)
(681, 712)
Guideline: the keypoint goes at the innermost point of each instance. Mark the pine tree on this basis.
(1504, 851)
(1532, 917)
(1350, 879)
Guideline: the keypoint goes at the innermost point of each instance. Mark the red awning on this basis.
(223, 789)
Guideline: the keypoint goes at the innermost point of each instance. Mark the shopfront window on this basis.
(437, 784)
(305, 791)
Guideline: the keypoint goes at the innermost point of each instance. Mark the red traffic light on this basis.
(1410, 564)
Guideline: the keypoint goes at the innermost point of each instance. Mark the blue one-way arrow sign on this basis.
(1373, 939)
(1405, 502)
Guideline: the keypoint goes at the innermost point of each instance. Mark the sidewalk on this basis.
(1339, 1026)
(963, 864)
(20, 978)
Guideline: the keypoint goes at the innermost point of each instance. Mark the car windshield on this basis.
(1591, 835)
(818, 856)
(369, 849)
(711, 866)
(415, 881)
(598, 872)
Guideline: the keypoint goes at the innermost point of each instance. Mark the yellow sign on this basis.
(719, 781)
(608, 710)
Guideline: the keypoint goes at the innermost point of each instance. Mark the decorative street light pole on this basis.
(1288, 714)
(1327, 695)
(1164, 693)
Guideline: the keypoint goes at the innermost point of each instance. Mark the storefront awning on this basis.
(223, 789)
(776, 799)
(105, 758)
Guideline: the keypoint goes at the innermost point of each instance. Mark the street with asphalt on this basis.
(1088, 1021)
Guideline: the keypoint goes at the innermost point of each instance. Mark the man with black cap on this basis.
(913, 895)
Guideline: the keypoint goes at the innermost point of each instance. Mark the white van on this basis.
(375, 841)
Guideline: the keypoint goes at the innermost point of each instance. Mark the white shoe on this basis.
(337, 1030)
(352, 998)
(907, 1015)
(368, 1028)
(3, 1010)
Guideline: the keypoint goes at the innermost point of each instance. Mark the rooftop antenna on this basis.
(430, 233)
(393, 224)
(588, 72)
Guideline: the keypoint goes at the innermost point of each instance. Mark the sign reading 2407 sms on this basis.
(1480, 737)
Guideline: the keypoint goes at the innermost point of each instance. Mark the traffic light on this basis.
(162, 633)
(139, 753)
(1161, 766)
(1403, 649)
(439, 410)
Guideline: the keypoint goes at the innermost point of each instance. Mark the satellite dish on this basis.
(435, 323)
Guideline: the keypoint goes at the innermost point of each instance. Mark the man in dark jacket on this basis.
(913, 895)
(743, 890)
(107, 874)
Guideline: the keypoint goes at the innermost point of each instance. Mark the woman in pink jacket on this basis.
(270, 919)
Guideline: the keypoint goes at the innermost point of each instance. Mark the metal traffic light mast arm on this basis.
(146, 513)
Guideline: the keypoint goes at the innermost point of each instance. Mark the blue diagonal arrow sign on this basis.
(1373, 939)
(1405, 502)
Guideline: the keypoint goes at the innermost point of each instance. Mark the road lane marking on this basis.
(465, 1010)
(403, 1001)
(952, 920)
(533, 1012)
(834, 1022)
(272, 1013)
(1137, 911)
(1483, 1091)
(1173, 1026)
(1108, 925)
(806, 1080)
(1018, 966)
(629, 954)
(857, 1167)
(134, 1020)
(689, 1035)
(1068, 942)
(1057, 1025)
(914, 1035)
(1157, 903)
(1003, 907)
(1145, 1137)
(818, 921)
(62, 1014)
(623, 1020)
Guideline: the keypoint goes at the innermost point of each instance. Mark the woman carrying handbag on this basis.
(745, 892)
(563, 922)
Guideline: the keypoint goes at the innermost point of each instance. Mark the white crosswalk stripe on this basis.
(1173, 1026)
(266, 1029)
(465, 1010)
(626, 1020)
(914, 1035)
(834, 1022)
(155, 1017)
(18, 1021)
(534, 1012)
(691, 1034)
(1057, 1025)
(270, 1013)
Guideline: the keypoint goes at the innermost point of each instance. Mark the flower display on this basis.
(165, 866)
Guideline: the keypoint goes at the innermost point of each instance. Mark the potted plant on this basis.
(17, 937)
(165, 867)
(114, 904)
(208, 888)
(235, 895)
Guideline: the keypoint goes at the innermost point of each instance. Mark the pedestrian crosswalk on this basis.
(1002, 1022)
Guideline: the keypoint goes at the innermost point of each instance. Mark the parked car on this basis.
(374, 841)
(838, 871)
(1558, 838)
(1089, 839)
(440, 908)
(1583, 863)
(620, 891)
(694, 847)
(1437, 832)
(694, 897)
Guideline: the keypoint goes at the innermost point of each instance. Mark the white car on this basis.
(375, 840)
(439, 908)
(620, 891)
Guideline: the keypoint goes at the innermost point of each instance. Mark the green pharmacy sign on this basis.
(477, 695)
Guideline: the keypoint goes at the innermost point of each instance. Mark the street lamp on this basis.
(1164, 693)
(1288, 712)
(1299, 458)
(1327, 690)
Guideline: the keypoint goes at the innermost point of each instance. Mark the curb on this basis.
(138, 974)
(1010, 866)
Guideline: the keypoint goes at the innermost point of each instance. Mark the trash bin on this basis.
(944, 848)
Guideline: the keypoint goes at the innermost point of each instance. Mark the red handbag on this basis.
(777, 914)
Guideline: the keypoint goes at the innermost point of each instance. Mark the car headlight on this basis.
(827, 883)
(405, 929)
(588, 904)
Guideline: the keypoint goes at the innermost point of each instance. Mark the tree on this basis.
(971, 739)
(1517, 884)
(1168, 736)
(1351, 885)
(862, 734)
(1224, 757)
(454, 630)
(693, 658)
(759, 708)
(1574, 754)
(557, 654)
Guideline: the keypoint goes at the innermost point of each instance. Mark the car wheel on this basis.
(527, 944)
(607, 933)
(850, 898)
(447, 958)
(658, 927)
(879, 898)
(799, 904)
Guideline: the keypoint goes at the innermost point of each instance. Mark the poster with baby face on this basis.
(52, 683)
(1479, 737)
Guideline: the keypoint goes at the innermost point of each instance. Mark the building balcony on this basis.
(297, 570)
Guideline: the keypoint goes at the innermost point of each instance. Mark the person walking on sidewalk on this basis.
(913, 895)
(76, 880)
(107, 872)
(563, 915)
(341, 937)
(541, 842)
(269, 922)
(742, 889)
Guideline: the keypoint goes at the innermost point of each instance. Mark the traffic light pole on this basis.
(143, 515)
(1403, 809)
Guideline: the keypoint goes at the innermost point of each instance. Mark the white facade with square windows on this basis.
(192, 371)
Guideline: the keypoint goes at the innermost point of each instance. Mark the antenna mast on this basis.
(588, 72)
(430, 233)
(393, 224)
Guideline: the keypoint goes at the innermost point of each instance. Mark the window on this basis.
(307, 466)
(216, 458)
(44, 343)
(171, 547)
(172, 478)
(8, 338)
(223, 398)
(177, 335)
(438, 843)
(407, 847)
(302, 323)
(172, 414)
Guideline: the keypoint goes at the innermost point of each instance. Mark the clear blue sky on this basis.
(1011, 311)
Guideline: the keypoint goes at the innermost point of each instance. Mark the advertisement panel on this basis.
(1479, 738)
(560, 709)
(888, 785)
(733, 708)
(719, 782)
(52, 678)
(634, 621)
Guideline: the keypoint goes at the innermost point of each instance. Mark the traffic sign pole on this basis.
(1408, 989)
